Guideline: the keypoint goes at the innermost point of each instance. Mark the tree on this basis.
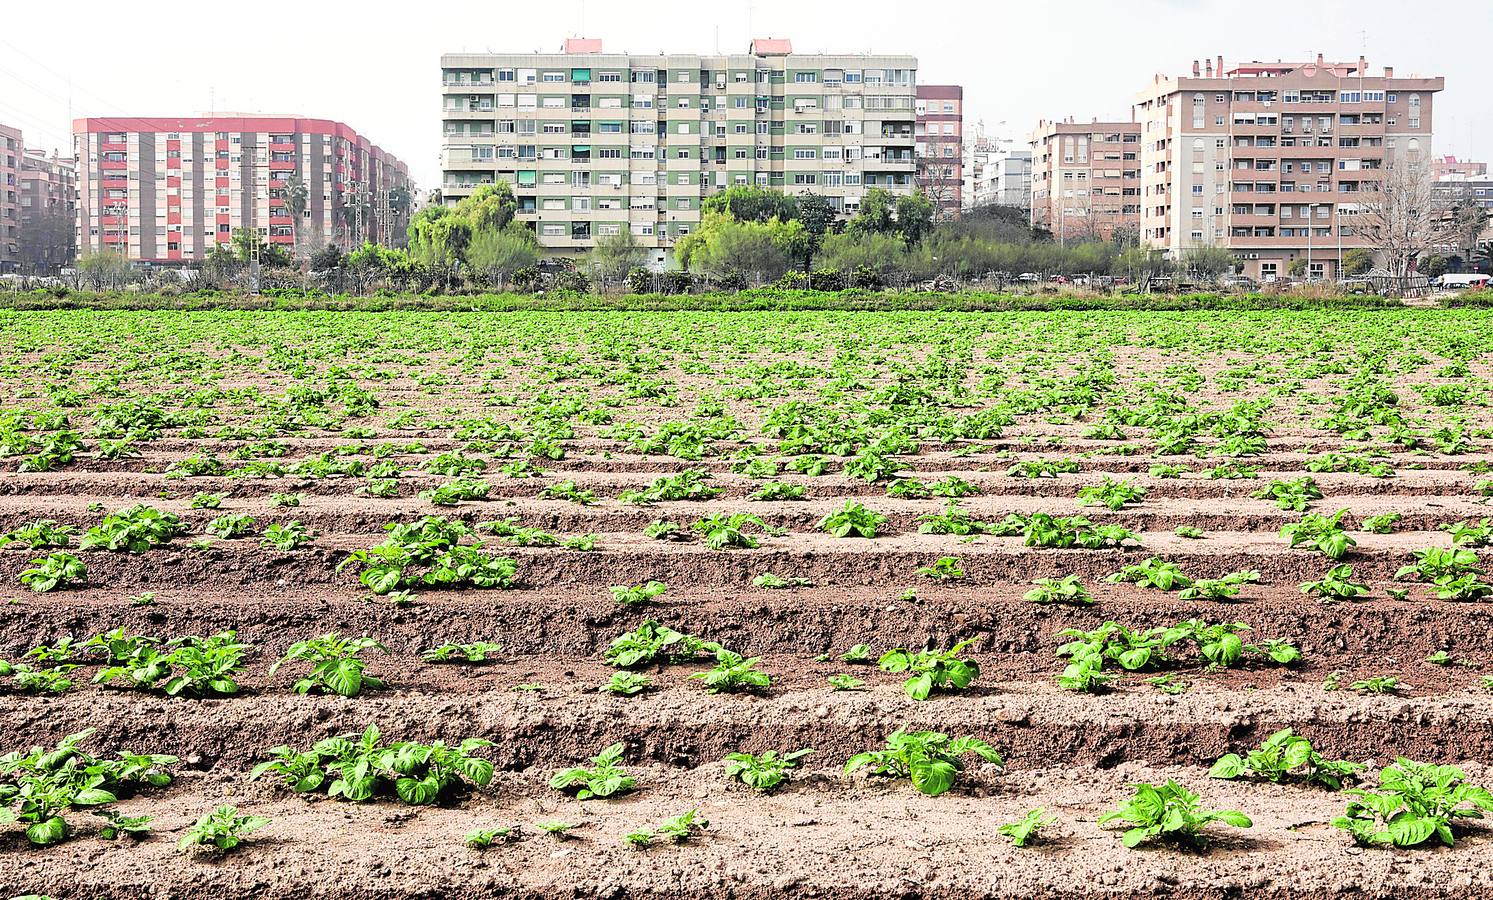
(818, 216)
(760, 251)
(747, 203)
(103, 270)
(1357, 261)
(1207, 262)
(1296, 267)
(936, 179)
(295, 205)
(615, 255)
(328, 258)
(438, 239)
(1140, 263)
(490, 208)
(1433, 266)
(493, 255)
(400, 201)
(47, 240)
(1406, 219)
(248, 241)
(909, 216)
(850, 251)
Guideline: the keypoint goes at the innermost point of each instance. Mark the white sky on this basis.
(380, 71)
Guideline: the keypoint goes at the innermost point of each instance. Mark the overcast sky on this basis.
(380, 72)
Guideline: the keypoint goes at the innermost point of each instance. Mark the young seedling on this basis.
(1026, 830)
(637, 595)
(931, 760)
(1285, 754)
(557, 830)
(946, 568)
(1378, 684)
(932, 670)
(605, 779)
(1169, 812)
(222, 829)
(475, 652)
(1111, 493)
(765, 771)
(1324, 534)
(1068, 589)
(483, 838)
(116, 825)
(628, 684)
(335, 664)
(732, 673)
(844, 682)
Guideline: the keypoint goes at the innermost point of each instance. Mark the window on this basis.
(806, 77)
(803, 153)
(553, 77)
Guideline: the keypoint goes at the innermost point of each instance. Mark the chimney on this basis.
(1209, 67)
(1363, 66)
(1219, 67)
(1319, 59)
(1196, 70)
(1389, 72)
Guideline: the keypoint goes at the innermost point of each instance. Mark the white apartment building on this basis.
(595, 142)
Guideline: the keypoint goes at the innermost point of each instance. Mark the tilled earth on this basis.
(824, 833)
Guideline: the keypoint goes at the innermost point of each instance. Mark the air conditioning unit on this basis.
(1251, 256)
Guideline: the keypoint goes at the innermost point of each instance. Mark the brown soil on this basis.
(824, 834)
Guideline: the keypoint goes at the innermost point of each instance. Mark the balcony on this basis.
(283, 147)
(282, 165)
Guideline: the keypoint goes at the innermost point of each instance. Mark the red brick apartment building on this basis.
(1272, 160)
(940, 146)
(1086, 179)
(166, 190)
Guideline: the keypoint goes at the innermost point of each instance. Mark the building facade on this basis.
(48, 212)
(1443, 166)
(1085, 179)
(165, 190)
(593, 143)
(11, 150)
(1269, 159)
(940, 147)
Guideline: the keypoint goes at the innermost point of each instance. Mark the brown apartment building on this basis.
(1270, 160)
(49, 206)
(1086, 179)
(10, 197)
(940, 146)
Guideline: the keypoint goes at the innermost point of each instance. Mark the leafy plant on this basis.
(733, 672)
(1068, 589)
(1111, 493)
(723, 531)
(1291, 495)
(287, 535)
(1226, 587)
(1285, 754)
(134, 529)
(1337, 584)
(335, 664)
(651, 642)
(932, 670)
(930, 759)
(1322, 533)
(483, 838)
(224, 829)
(946, 568)
(636, 595)
(844, 682)
(1154, 572)
(628, 684)
(1168, 812)
(1415, 802)
(604, 779)
(1025, 830)
(853, 519)
(57, 569)
(765, 771)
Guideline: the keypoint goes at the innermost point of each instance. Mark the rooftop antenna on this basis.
(583, 19)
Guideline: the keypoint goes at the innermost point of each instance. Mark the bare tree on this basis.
(937, 177)
(1406, 219)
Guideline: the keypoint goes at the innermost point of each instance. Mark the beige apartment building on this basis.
(595, 142)
(1085, 179)
(11, 149)
(1270, 159)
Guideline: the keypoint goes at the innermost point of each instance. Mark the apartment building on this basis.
(1443, 166)
(595, 142)
(167, 190)
(939, 147)
(1269, 159)
(11, 148)
(48, 211)
(1086, 178)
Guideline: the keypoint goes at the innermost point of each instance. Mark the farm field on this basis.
(1070, 523)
